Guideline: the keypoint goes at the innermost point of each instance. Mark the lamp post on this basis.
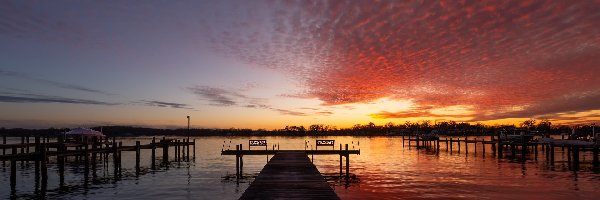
(188, 131)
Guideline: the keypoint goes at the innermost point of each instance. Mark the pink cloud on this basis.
(488, 55)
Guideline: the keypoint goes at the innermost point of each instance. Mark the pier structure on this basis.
(500, 148)
(289, 175)
(239, 153)
(87, 153)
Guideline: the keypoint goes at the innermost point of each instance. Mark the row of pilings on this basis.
(513, 149)
(89, 153)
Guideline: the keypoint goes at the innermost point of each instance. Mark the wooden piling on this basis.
(237, 161)
(187, 146)
(3, 150)
(402, 143)
(194, 150)
(13, 171)
(535, 151)
(165, 148)
(568, 155)
(241, 161)
(60, 160)
(94, 158)
(153, 153)
(551, 150)
(115, 159)
(43, 166)
(86, 161)
(513, 151)
(475, 146)
(446, 144)
(450, 145)
(595, 155)
(347, 164)
(341, 159)
(500, 148)
(137, 158)
(575, 157)
(524, 147)
(458, 144)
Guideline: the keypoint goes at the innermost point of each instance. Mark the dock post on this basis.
(341, 159)
(575, 157)
(137, 158)
(241, 161)
(562, 137)
(94, 158)
(535, 151)
(513, 151)
(475, 146)
(458, 145)
(3, 150)
(13, 172)
(86, 164)
(438, 145)
(153, 153)
(237, 161)
(568, 155)
(43, 167)
(446, 144)
(551, 150)
(595, 156)
(402, 142)
(500, 149)
(417, 142)
(347, 164)
(194, 149)
(450, 144)
(37, 161)
(483, 147)
(187, 146)
(165, 148)
(524, 147)
(120, 157)
(22, 151)
(546, 151)
(61, 160)
(176, 150)
(466, 146)
(115, 165)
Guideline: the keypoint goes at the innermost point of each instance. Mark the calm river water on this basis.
(384, 170)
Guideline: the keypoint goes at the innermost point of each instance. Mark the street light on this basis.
(188, 131)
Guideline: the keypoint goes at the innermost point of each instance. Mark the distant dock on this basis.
(289, 175)
(91, 154)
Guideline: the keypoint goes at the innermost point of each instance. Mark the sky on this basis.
(268, 64)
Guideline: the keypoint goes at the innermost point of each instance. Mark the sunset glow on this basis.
(268, 64)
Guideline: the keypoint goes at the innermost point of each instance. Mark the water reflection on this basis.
(384, 170)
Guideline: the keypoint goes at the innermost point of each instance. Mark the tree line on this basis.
(369, 129)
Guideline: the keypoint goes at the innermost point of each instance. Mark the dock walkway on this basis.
(289, 175)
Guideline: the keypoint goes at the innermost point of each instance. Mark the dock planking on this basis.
(289, 175)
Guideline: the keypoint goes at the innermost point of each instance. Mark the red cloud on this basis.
(490, 55)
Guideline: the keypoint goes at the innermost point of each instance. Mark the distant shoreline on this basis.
(299, 131)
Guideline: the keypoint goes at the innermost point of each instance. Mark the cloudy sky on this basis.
(267, 64)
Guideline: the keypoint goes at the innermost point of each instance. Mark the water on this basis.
(384, 170)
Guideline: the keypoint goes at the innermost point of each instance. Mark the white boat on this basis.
(83, 134)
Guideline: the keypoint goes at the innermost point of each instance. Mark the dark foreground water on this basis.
(384, 170)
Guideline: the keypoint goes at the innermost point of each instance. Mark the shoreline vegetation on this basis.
(449, 128)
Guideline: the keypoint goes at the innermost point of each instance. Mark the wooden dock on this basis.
(87, 153)
(289, 175)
